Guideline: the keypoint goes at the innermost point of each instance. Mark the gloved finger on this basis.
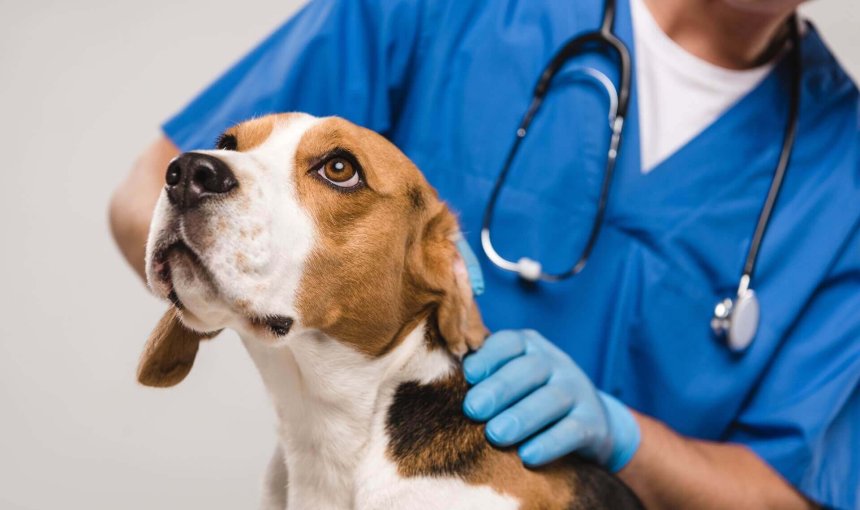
(513, 381)
(498, 349)
(533, 413)
(564, 437)
(536, 342)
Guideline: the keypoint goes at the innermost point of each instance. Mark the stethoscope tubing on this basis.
(738, 331)
(619, 103)
(789, 139)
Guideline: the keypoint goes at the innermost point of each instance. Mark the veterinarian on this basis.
(638, 361)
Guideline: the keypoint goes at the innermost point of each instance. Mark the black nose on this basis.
(192, 177)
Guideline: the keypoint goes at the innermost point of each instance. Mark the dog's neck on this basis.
(327, 396)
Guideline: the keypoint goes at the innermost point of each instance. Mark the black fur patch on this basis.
(416, 198)
(594, 487)
(430, 435)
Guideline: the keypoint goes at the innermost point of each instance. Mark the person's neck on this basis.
(720, 33)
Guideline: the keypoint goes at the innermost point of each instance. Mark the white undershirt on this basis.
(679, 94)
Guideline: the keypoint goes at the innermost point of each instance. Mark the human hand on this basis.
(532, 394)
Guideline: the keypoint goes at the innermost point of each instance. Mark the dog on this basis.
(324, 247)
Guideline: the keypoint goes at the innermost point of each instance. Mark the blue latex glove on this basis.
(533, 393)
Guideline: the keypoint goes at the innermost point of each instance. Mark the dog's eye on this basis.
(226, 142)
(340, 172)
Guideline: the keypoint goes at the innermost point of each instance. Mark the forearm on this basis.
(670, 471)
(133, 202)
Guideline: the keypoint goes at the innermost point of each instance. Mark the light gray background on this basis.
(83, 86)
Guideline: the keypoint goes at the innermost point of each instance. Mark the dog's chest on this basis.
(334, 430)
(341, 462)
(372, 482)
(325, 418)
(380, 485)
(323, 452)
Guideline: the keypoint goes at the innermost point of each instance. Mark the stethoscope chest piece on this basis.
(735, 321)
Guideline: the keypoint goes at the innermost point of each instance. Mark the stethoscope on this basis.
(735, 320)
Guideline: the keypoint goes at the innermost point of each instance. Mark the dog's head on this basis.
(298, 224)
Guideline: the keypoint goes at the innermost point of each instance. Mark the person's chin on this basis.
(765, 6)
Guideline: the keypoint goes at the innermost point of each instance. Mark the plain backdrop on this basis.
(84, 85)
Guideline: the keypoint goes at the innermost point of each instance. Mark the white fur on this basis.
(332, 403)
(331, 400)
(254, 244)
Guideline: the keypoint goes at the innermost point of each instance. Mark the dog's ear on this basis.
(444, 271)
(169, 352)
(459, 319)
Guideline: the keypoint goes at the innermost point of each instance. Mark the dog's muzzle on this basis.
(194, 177)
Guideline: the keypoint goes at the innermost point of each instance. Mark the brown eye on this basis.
(226, 143)
(340, 172)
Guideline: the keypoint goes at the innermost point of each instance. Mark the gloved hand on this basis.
(523, 384)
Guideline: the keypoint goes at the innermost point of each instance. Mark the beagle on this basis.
(325, 248)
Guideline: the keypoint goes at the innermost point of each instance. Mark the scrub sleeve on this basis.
(347, 58)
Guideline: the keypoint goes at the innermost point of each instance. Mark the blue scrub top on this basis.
(448, 81)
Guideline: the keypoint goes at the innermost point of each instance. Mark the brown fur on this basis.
(550, 488)
(430, 436)
(169, 352)
(252, 133)
(384, 261)
(381, 263)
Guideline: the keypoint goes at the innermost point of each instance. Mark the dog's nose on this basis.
(193, 177)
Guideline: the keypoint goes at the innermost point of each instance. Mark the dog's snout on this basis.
(193, 177)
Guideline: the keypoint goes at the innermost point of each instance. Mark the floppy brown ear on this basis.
(169, 352)
(457, 315)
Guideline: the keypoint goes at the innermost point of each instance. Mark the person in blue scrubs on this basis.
(618, 363)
